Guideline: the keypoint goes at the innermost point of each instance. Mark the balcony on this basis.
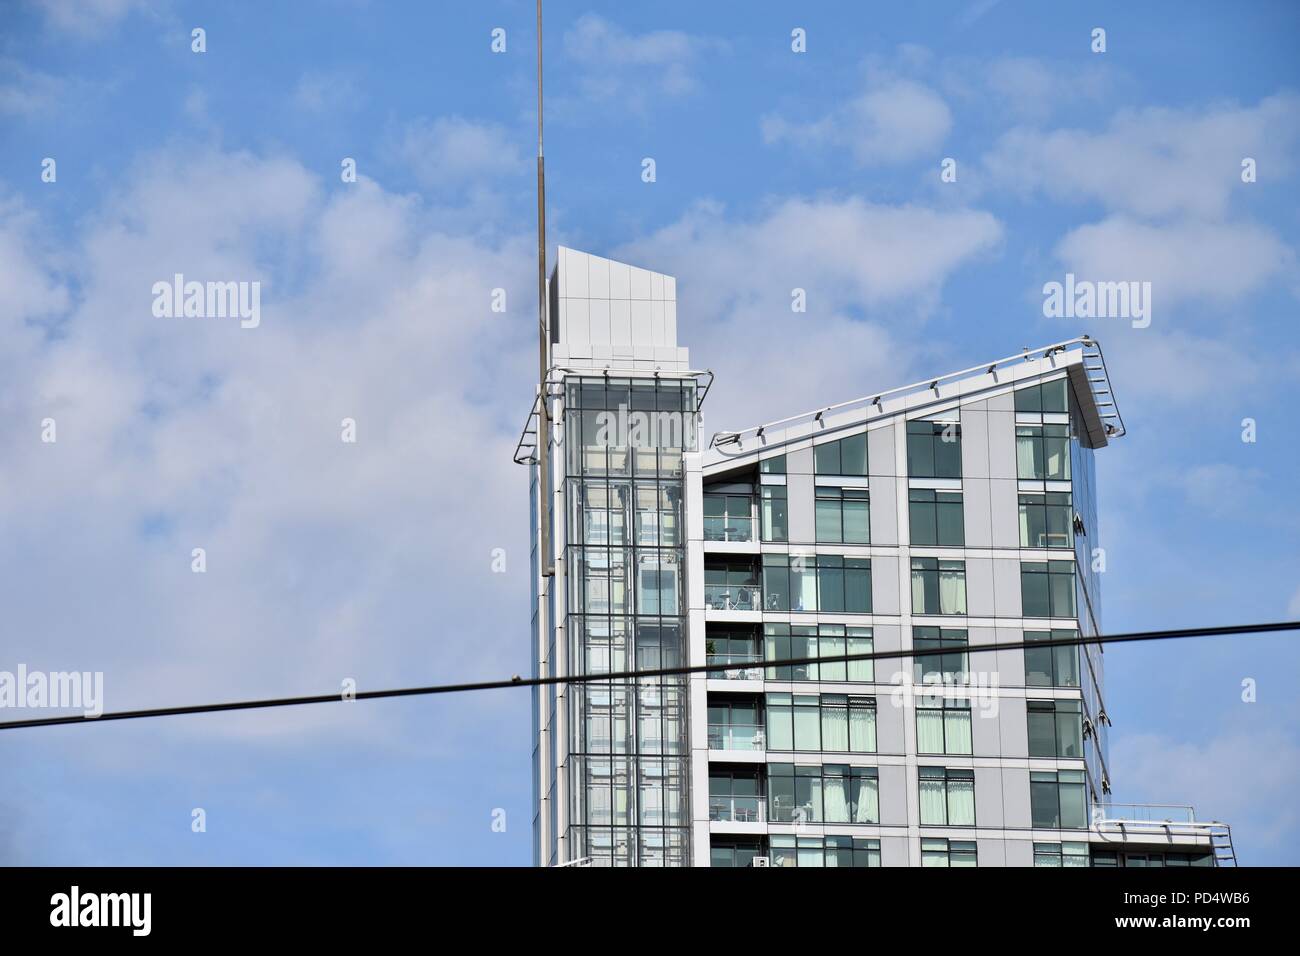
(729, 529)
(1147, 813)
(736, 737)
(738, 809)
(745, 597)
(747, 673)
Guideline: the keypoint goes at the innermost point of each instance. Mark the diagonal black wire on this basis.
(1164, 635)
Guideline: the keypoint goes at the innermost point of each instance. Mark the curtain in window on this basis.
(810, 853)
(918, 592)
(1026, 445)
(862, 728)
(780, 730)
(807, 732)
(933, 802)
(837, 799)
(861, 670)
(961, 802)
(835, 724)
(866, 799)
(952, 591)
(929, 731)
(957, 731)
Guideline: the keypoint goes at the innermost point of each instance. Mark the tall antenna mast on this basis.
(543, 338)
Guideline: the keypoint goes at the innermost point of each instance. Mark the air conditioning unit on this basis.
(761, 861)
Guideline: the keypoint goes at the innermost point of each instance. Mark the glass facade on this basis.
(628, 769)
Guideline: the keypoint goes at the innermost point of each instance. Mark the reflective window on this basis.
(938, 587)
(1058, 799)
(1043, 452)
(1060, 854)
(936, 852)
(834, 723)
(1055, 728)
(949, 667)
(772, 466)
(847, 456)
(1043, 397)
(828, 583)
(824, 851)
(947, 797)
(774, 513)
(1046, 520)
(843, 515)
(943, 725)
(1051, 666)
(728, 517)
(830, 793)
(786, 642)
(1047, 588)
(934, 449)
(935, 517)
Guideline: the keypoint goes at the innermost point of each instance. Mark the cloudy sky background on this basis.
(775, 170)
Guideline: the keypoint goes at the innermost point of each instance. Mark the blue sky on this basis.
(774, 170)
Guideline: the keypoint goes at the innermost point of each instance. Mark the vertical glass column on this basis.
(626, 561)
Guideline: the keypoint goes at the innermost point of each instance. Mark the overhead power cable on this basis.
(611, 676)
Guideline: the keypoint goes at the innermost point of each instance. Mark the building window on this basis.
(1043, 397)
(732, 586)
(736, 795)
(943, 725)
(938, 587)
(936, 518)
(786, 641)
(733, 647)
(735, 853)
(936, 852)
(736, 724)
(1055, 728)
(1058, 800)
(947, 797)
(1043, 452)
(1051, 666)
(772, 466)
(847, 456)
(1060, 854)
(843, 516)
(830, 793)
(774, 513)
(947, 668)
(1046, 520)
(833, 723)
(1046, 588)
(728, 517)
(934, 449)
(824, 851)
(827, 583)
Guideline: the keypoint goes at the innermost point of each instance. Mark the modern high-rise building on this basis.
(941, 517)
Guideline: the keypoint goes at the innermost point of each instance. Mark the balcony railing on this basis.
(747, 597)
(729, 528)
(738, 809)
(746, 673)
(1144, 813)
(736, 737)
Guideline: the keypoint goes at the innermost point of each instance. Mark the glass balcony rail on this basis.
(736, 737)
(746, 673)
(1144, 812)
(738, 809)
(728, 528)
(747, 597)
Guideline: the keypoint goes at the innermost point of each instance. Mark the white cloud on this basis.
(326, 91)
(1248, 779)
(872, 275)
(325, 560)
(25, 91)
(1186, 260)
(449, 151)
(893, 121)
(632, 68)
(87, 18)
(1154, 162)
